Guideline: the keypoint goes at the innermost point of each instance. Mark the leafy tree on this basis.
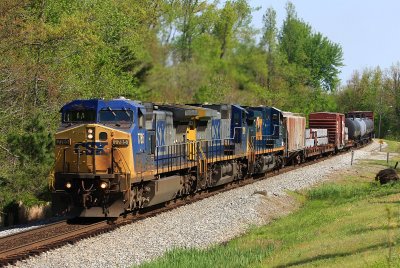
(233, 16)
(374, 90)
(33, 150)
(35, 143)
(392, 86)
(269, 42)
(313, 58)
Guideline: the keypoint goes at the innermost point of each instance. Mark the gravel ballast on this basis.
(214, 220)
(4, 231)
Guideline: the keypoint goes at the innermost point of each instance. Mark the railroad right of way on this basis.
(213, 220)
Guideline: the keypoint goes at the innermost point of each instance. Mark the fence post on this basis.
(352, 157)
(387, 157)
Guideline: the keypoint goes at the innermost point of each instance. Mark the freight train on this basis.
(119, 156)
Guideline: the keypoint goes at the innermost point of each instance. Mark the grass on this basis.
(392, 146)
(353, 222)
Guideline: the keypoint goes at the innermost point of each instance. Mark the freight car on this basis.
(294, 128)
(334, 123)
(360, 126)
(120, 155)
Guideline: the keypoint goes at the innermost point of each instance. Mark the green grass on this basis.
(351, 223)
(338, 225)
(393, 146)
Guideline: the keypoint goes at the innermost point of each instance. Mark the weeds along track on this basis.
(29, 243)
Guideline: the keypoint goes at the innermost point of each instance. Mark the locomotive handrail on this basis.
(234, 133)
(188, 157)
(127, 183)
(78, 159)
(186, 154)
(64, 158)
(51, 177)
(124, 161)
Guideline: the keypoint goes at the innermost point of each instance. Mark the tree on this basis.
(233, 16)
(392, 85)
(269, 42)
(314, 59)
(374, 90)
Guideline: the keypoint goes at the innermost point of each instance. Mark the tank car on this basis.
(121, 155)
(360, 126)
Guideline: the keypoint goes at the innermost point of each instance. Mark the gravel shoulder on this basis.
(214, 220)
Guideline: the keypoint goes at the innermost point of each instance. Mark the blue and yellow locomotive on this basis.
(121, 155)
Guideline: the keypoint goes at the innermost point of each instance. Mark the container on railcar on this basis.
(316, 137)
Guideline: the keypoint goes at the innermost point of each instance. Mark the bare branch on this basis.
(8, 151)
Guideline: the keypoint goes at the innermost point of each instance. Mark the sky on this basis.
(368, 31)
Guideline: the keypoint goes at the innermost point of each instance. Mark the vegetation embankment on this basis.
(352, 222)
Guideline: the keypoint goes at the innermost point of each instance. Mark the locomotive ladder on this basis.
(251, 156)
(202, 162)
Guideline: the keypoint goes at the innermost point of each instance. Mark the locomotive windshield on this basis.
(79, 116)
(120, 116)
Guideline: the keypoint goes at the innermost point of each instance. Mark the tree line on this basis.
(177, 51)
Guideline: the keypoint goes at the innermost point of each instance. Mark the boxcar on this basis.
(334, 122)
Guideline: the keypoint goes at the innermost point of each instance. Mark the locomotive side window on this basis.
(236, 119)
(141, 120)
(80, 116)
(125, 116)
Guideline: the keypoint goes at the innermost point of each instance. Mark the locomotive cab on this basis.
(94, 159)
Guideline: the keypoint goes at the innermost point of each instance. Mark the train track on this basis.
(20, 246)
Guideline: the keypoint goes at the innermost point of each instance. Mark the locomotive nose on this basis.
(92, 148)
(85, 149)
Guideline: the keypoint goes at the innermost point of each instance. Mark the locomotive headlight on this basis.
(90, 133)
(68, 185)
(103, 185)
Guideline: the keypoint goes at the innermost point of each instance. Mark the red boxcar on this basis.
(334, 122)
